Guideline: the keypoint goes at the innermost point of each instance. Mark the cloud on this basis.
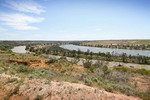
(28, 6)
(2, 29)
(19, 21)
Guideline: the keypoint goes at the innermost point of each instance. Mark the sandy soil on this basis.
(56, 91)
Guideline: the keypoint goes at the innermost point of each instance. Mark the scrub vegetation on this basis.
(120, 79)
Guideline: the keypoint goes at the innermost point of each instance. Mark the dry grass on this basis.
(116, 42)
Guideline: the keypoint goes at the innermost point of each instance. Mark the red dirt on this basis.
(32, 63)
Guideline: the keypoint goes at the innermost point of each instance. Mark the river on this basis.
(113, 51)
(19, 49)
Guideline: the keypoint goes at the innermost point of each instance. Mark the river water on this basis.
(113, 51)
(19, 49)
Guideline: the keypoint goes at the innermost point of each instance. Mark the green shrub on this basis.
(24, 69)
(87, 63)
(63, 71)
(5, 68)
(38, 97)
(52, 60)
(124, 69)
(88, 81)
(11, 80)
(40, 88)
(92, 69)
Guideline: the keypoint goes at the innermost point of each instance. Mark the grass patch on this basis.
(11, 80)
(139, 71)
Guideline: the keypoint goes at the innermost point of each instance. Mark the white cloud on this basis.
(28, 6)
(19, 21)
(2, 29)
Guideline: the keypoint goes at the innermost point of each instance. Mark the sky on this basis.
(74, 19)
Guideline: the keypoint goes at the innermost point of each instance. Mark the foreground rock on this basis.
(41, 88)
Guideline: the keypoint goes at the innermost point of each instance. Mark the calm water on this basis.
(105, 50)
(19, 49)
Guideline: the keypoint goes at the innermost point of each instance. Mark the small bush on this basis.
(11, 80)
(24, 69)
(52, 60)
(87, 63)
(92, 69)
(40, 88)
(38, 97)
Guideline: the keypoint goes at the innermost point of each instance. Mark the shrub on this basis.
(105, 70)
(11, 80)
(87, 63)
(75, 60)
(38, 97)
(52, 60)
(124, 69)
(92, 69)
(88, 81)
(63, 58)
(40, 88)
(24, 69)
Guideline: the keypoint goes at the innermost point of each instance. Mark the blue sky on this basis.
(74, 19)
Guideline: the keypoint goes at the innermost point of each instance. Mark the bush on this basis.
(87, 63)
(124, 69)
(24, 69)
(105, 70)
(38, 97)
(11, 80)
(92, 69)
(52, 60)
(88, 81)
(63, 58)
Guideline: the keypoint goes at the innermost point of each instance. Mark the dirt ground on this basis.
(141, 82)
(35, 88)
